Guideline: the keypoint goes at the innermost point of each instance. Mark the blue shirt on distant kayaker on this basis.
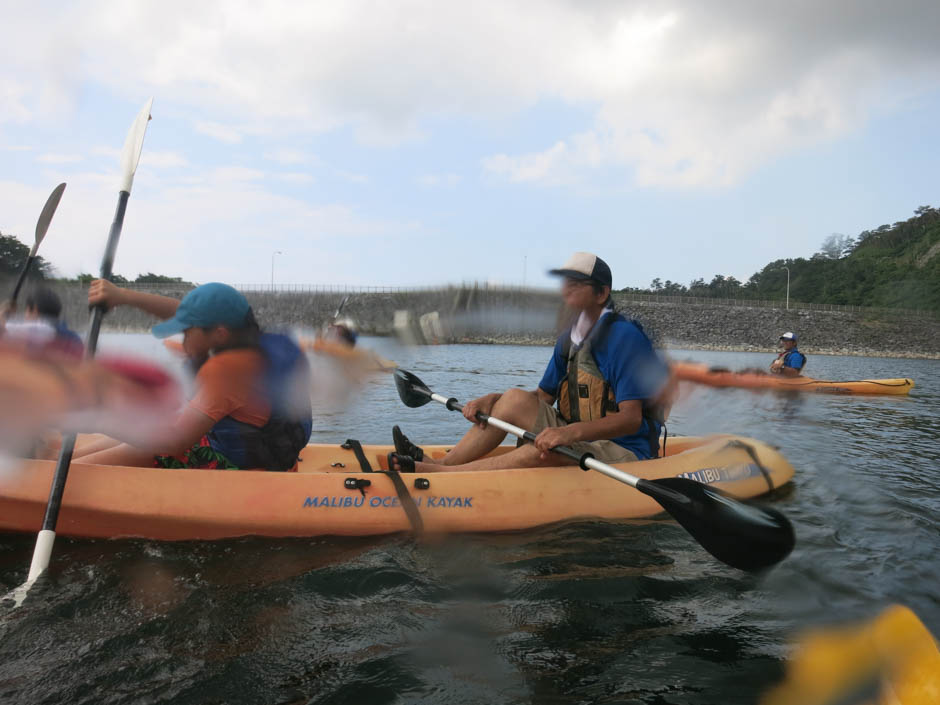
(604, 374)
(791, 361)
(251, 407)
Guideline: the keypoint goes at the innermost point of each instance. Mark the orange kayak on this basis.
(720, 377)
(356, 355)
(332, 495)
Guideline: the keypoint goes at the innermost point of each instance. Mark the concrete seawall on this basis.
(478, 314)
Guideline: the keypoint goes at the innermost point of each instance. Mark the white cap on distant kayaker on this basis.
(344, 330)
(587, 267)
(788, 336)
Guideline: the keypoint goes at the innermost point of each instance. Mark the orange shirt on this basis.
(231, 383)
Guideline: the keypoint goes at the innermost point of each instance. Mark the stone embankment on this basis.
(478, 314)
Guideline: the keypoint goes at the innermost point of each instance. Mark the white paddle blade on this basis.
(133, 146)
(48, 210)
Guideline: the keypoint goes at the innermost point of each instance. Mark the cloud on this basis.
(216, 223)
(218, 131)
(59, 158)
(678, 94)
(353, 177)
(538, 166)
(294, 177)
(291, 156)
(448, 180)
(164, 160)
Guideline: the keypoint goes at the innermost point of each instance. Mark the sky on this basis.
(428, 142)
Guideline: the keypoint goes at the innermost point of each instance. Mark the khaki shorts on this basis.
(605, 451)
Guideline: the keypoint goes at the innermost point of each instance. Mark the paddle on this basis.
(742, 534)
(42, 225)
(339, 309)
(129, 159)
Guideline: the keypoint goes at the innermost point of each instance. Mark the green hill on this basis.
(893, 266)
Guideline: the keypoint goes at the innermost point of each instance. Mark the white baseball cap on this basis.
(585, 266)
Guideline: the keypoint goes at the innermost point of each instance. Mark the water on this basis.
(585, 612)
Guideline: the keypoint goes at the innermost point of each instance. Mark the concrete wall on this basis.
(480, 314)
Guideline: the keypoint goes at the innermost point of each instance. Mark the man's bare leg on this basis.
(516, 406)
(121, 454)
(87, 445)
(527, 456)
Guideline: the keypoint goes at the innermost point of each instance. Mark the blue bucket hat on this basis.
(212, 304)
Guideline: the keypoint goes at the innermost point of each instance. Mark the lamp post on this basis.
(788, 287)
(276, 252)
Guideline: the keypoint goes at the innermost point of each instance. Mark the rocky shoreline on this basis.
(486, 316)
(848, 352)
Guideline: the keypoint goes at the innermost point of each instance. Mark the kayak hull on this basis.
(108, 501)
(717, 377)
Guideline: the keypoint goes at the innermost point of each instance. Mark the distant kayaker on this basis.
(251, 407)
(604, 373)
(42, 326)
(344, 331)
(791, 361)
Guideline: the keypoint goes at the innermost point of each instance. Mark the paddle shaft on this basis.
(22, 277)
(43, 549)
(585, 460)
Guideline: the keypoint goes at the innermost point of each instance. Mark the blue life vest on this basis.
(277, 444)
(795, 359)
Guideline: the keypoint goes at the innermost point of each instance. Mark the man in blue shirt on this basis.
(603, 373)
(791, 361)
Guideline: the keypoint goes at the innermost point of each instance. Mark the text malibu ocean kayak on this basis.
(332, 495)
(720, 377)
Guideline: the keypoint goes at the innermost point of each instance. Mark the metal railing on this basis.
(345, 288)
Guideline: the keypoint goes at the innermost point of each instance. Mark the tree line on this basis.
(892, 266)
(13, 255)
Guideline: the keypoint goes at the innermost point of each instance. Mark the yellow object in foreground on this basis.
(892, 660)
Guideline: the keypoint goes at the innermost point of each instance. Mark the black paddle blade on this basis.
(744, 535)
(413, 391)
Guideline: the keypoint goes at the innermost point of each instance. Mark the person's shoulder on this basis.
(229, 362)
(623, 329)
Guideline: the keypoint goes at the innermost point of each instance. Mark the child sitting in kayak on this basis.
(791, 361)
(251, 407)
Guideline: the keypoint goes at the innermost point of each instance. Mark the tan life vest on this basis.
(584, 394)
